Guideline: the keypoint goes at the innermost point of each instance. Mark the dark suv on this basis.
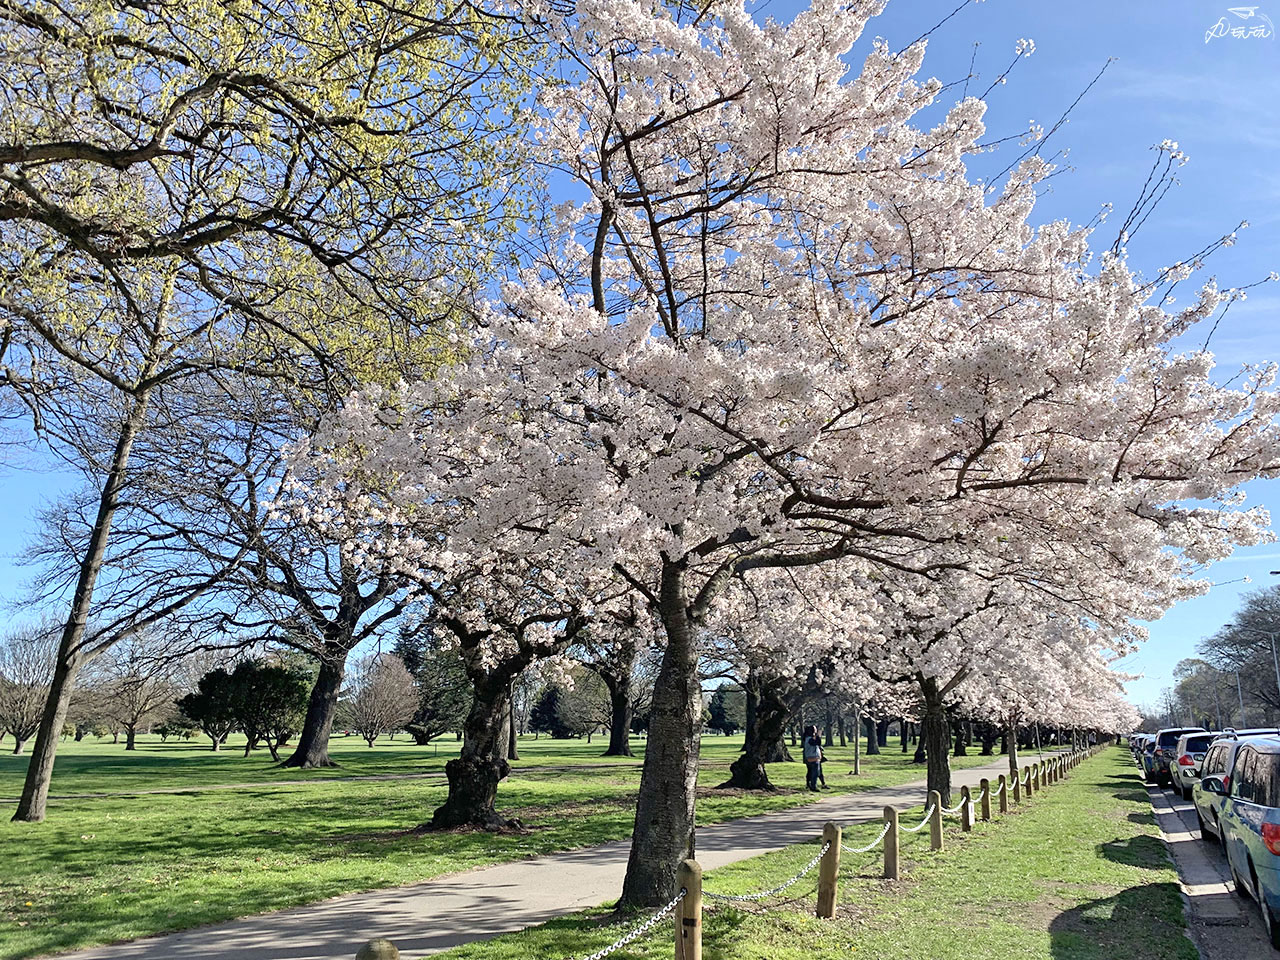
(1159, 753)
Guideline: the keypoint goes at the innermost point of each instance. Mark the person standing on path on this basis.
(812, 757)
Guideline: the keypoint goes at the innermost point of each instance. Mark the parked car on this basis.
(1188, 754)
(1218, 762)
(1159, 753)
(1251, 825)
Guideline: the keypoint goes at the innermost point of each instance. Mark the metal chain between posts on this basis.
(751, 897)
(639, 931)
(870, 846)
(922, 824)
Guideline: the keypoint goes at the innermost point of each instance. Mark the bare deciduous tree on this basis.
(26, 670)
(384, 696)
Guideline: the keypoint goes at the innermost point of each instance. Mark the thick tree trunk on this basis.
(935, 736)
(828, 722)
(312, 750)
(882, 732)
(619, 715)
(957, 730)
(17, 746)
(474, 776)
(873, 742)
(841, 724)
(131, 738)
(904, 732)
(663, 834)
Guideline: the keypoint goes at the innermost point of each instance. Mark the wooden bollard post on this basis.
(966, 810)
(689, 911)
(1030, 772)
(1017, 786)
(1004, 794)
(891, 844)
(378, 949)
(1035, 778)
(984, 802)
(935, 820)
(829, 872)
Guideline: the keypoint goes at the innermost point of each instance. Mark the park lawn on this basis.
(104, 869)
(100, 766)
(1078, 874)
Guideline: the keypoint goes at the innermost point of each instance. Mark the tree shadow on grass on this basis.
(1139, 851)
(1140, 923)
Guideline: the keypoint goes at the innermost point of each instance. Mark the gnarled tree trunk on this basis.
(767, 713)
(474, 776)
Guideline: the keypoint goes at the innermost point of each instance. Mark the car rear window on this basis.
(1170, 739)
(1198, 744)
(1267, 774)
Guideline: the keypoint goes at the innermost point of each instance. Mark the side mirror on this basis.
(1213, 785)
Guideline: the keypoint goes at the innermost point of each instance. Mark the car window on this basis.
(1267, 791)
(1198, 744)
(1241, 781)
(1213, 760)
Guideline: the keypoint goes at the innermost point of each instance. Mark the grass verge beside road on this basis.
(1078, 874)
(106, 869)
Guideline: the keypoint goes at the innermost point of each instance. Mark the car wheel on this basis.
(1206, 835)
(1236, 885)
(1186, 794)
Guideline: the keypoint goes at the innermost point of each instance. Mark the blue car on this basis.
(1250, 824)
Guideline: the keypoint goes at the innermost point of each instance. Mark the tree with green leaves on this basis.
(212, 706)
(268, 702)
(196, 194)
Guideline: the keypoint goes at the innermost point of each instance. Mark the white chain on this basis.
(639, 931)
(922, 824)
(749, 897)
(870, 846)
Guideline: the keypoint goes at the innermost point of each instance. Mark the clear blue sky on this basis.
(1220, 100)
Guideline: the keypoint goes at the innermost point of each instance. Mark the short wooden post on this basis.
(891, 844)
(829, 871)
(1017, 786)
(966, 810)
(689, 911)
(1004, 794)
(378, 949)
(984, 802)
(935, 820)
(1035, 778)
(1030, 772)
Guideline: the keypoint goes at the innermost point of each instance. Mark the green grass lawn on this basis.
(105, 869)
(1078, 874)
(100, 766)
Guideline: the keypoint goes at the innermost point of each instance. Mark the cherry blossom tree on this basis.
(788, 328)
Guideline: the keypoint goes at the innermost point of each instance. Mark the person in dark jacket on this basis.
(812, 757)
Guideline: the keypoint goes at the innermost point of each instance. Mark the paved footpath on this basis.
(1222, 924)
(451, 910)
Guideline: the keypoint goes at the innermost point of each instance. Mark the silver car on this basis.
(1218, 762)
(1184, 766)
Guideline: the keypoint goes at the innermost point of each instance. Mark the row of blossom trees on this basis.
(788, 372)
(779, 381)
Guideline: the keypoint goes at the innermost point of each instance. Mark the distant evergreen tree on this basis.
(547, 715)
